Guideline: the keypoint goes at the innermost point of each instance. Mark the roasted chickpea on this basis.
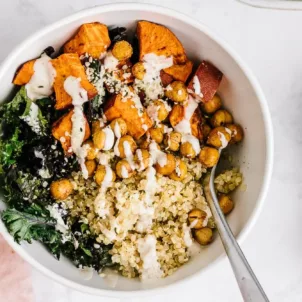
(212, 105)
(142, 159)
(221, 118)
(172, 141)
(126, 146)
(139, 70)
(95, 126)
(208, 156)
(122, 50)
(177, 91)
(90, 166)
(206, 129)
(98, 138)
(168, 167)
(158, 110)
(187, 150)
(61, 189)
(100, 174)
(92, 151)
(203, 236)
(226, 204)
(145, 144)
(196, 218)
(219, 137)
(119, 127)
(237, 133)
(157, 133)
(123, 169)
(180, 171)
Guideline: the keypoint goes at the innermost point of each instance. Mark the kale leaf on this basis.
(33, 223)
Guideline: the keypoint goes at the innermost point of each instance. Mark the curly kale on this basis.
(33, 223)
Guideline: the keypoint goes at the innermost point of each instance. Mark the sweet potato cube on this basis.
(180, 72)
(24, 74)
(137, 124)
(209, 78)
(158, 39)
(91, 38)
(61, 130)
(177, 114)
(69, 65)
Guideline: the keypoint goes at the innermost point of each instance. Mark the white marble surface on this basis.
(269, 41)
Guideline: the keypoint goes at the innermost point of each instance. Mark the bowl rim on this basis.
(267, 125)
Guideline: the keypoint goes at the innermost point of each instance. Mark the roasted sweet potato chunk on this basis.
(61, 130)
(178, 114)
(158, 39)
(24, 74)
(137, 124)
(180, 72)
(69, 65)
(209, 79)
(91, 38)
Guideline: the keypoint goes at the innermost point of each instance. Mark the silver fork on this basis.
(250, 287)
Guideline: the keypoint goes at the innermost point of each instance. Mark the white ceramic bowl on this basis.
(242, 96)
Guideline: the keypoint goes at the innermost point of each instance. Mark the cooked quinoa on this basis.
(228, 181)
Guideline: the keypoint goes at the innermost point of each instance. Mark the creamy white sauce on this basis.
(139, 155)
(41, 82)
(109, 139)
(196, 86)
(184, 126)
(187, 235)
(157, 155)
(152, 111)
(151, 83)
(104, 158)
(129, 154)
(193, 141)
(72, 86)
(117, 130)
(60, 226)
(110, 62)
(223, 140)
(124, 172)
(147, 250)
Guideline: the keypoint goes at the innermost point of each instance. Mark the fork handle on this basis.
(248, 283)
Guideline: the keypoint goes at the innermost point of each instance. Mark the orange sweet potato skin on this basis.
(91, 38)
(180, 72)
(177, 114)
(69, 65)
(63, 126)
(116, 107)
(158, 39)
(24, 74)
(209, 78)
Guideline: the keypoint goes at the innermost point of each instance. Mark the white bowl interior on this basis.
(239, 97)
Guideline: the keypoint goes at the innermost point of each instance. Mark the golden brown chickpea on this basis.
(196, 218)
(213, 105)
(123, 169)
(226, 204)
(95, 126)
(122, 50)
(157, 133)
(237, 133)
(180, 172)
(90, 166)
(168, 168)
(145, 144)
(139, 70)
(98, 138)
(100, 174)
(218, 136)
(221, 118)
(203, 236)
(187, 150)
(206, 129)
(158, 110)
(119, 127)
(208, 156)
(142, 159)
(172, 141)
(61, 189)
(92, 151)
(126, 146)
(177, 91)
